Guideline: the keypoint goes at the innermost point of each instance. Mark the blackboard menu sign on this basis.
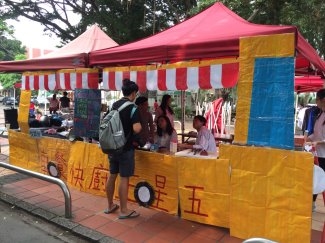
(87, 106)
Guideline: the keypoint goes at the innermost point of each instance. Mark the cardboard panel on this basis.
(56, 151)
(160, 171)
(204, 189)
(23, 114)
(24, 151)
(271, 193)
(275, 46)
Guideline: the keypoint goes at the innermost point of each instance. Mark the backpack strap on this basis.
(127, 103)
(133, 110)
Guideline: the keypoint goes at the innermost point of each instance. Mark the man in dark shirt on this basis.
(64, 101)
(123, 163)
(146, 120)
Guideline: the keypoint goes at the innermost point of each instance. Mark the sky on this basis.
(31, 34)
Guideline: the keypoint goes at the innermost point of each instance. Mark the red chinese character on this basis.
(98, 178)
(195, 201)
(160, 183)
(61, 163)
(79, 177)
(132, 186)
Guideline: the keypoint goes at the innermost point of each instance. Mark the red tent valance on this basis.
(213, 74)
(66, 79)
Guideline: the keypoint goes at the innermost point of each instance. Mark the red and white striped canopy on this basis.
(213, 74)
(66, 79)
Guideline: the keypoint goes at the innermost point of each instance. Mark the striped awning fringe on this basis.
(218, 73)
(64, 79)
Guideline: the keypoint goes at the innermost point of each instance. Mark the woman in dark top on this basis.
(65, 102)
(165, 109)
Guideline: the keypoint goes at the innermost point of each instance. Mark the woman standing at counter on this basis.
(317, 139)
(165, 109)
(165, 134)
(54, 104)
(205, 142)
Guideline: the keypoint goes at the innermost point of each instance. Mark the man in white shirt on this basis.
(205, 143)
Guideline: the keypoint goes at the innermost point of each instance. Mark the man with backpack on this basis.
(122, 162)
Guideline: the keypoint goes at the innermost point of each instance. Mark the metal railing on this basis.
(60, 183)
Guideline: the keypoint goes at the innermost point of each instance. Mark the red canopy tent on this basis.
(64, 68)
(308, 83)
(72, 55)
(212, 33)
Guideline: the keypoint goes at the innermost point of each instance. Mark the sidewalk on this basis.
(46, 200)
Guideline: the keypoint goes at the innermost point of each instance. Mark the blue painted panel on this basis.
(271, 120)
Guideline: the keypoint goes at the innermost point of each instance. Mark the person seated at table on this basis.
(165, 134)
(31, 110)
(146, 120)
(54, 104)
(205, 143)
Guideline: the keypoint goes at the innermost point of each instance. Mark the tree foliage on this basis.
(129, 20)
(10, 49)
(122, 20)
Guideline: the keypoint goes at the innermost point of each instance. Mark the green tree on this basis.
(129, 20)
(10, 49)
(7, 80)
(122, 20)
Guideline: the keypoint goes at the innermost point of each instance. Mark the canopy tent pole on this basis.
(183, 110)
(14, 98)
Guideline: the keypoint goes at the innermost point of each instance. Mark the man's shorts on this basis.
(122, 163)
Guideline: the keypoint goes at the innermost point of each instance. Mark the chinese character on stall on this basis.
(196, 202)
(98, 178)
(77, 176)
(61, 163)
(160, 184)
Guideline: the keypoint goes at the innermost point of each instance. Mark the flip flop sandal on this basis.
(131, 215)
(114, 208)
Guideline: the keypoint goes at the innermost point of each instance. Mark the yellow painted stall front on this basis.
(258, 187)
(251, 190)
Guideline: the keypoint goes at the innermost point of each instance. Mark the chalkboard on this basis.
(87, 107)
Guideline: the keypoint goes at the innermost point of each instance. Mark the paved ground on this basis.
(46, 201)
(31, 228)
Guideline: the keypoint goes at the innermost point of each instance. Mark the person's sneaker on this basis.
(314, 207)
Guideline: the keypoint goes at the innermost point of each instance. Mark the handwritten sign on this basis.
(87, 106)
